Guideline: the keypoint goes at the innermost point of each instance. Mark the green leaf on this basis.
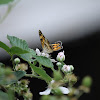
(5, 1)
(28, 57)
(14, 41)
(3, 96)
(23, 45)
(42, 73)
(19, 74)
(17, 50)
(4, 46)
(44, 61)
(11, 77)
(2, 65)
(7, 96)
(11, 94)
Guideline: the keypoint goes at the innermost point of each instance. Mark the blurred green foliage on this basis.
(5, 1)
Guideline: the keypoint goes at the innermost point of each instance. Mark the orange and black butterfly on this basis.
(47, 47)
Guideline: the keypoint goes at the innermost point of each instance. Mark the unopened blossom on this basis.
(17, 60)
(58, 64)
(64, 90)
(67, 68)
(61, 56)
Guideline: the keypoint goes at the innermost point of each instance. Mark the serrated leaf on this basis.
(44, 61)
(23, 45)
(11, 78)
(17, 50)
(4, 46)
(28, 56)
(14, 41)
(5, 1)
(41, 72)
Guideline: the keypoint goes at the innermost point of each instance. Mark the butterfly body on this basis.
(47, 47)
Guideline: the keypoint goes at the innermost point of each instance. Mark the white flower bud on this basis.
(61, 56)
(67, 68)
(17, 60)
(72, 68)
(58, 64)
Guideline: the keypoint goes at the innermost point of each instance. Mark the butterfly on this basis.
(47, 47)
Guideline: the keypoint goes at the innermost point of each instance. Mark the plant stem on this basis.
(40, 65)
(31, 75)
(53, 69)
(12, 62)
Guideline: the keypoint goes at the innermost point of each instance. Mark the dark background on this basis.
(84, 55)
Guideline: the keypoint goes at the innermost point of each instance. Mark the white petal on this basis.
(53, 60)
(68, 68)
(64, 90)
(46, 92)
(47, 55)
(43, 54)
(38, 52)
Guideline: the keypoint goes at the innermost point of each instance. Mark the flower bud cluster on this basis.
(22, 67)
(65, 68)
(24, 90)
(41, 54)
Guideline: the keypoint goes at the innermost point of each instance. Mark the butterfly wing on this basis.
(57, 46)
(47, 48)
